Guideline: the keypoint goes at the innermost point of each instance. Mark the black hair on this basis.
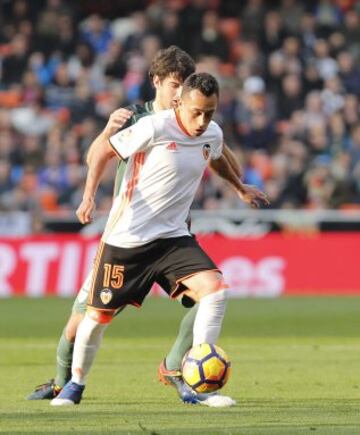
(204, 82)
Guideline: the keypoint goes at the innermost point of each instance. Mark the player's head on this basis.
(168, 70)
(198, 102)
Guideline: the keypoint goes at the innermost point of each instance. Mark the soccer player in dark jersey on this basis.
(168, 70)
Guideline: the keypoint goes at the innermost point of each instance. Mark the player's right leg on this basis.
(87, 343)
(65, 348)
(116, 268)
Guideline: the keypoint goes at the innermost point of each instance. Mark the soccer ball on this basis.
(206, 368)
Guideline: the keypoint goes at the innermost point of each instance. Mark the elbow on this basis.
(103, 154)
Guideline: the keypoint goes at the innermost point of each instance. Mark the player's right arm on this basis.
(96, 161)
(123, 144)
(98, 156)
(134, 139)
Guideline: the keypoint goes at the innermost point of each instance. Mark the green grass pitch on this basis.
(296, 370)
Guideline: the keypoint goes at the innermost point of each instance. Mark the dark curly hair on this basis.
(171, 60)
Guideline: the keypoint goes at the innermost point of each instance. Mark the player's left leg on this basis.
(183, 340)
(169, 371)
(192, 266)
(208, 289)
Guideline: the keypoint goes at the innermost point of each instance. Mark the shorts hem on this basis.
(102, 309)
(177, 290)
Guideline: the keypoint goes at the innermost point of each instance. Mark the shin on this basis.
(209, 318)
(87, 342)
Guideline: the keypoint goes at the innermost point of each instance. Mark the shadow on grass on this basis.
(251, 416)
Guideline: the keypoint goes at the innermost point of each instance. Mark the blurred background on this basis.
(289, 73)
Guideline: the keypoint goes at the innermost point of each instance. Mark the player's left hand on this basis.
(85, 210)
(253, 196)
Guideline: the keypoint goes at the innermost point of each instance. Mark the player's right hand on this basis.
(85, 210)
(117, 120)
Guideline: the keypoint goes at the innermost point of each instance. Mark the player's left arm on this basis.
(247, 193)
(231, 158)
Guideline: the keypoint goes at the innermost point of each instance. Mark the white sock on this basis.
(208, 320)
(88, 338)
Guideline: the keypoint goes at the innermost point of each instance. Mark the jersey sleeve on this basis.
(133, 139)
(217, 148)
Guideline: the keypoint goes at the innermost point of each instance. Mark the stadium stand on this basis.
(290, 89)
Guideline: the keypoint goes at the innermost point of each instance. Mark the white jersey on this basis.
(164, 170)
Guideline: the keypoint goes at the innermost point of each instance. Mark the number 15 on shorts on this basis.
(113, 275)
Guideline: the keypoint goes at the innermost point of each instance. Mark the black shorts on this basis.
(125, 275)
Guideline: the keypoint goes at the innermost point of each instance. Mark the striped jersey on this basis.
(164, 169)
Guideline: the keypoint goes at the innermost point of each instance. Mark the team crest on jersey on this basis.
(106, 295)
(206, 151)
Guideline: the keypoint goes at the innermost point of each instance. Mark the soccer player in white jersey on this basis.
(146, 237)
(168, 70)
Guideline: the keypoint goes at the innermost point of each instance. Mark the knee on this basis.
(72, 326)
(217, 284)
(99, 316)
(212, 284)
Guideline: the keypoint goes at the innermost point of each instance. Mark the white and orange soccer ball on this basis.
(206, 368)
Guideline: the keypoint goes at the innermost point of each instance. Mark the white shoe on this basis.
(70, 395)
(61, 402)
(216, 400)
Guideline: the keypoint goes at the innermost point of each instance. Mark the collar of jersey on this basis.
(180, 124)
(149, 106)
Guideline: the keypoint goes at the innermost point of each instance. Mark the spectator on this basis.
(291, 12)
(325, 64)
(6, 183)
(261, 134)
(348, 73)
(113, 62)
(191, 17)
(351, 32)
(328, 16)
(332, 96)
(291, 97)
(97, 34)
(170, 32)
(211, 42)
(15, 63)
(275, 72)
(253, 18)
(273, 33)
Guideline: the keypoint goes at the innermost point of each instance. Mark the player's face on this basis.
(196, 111)
(168, 91)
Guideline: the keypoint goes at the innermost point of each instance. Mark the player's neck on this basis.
(157, 106)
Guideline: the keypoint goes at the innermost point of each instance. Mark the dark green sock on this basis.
(64, 356)
(183, 341)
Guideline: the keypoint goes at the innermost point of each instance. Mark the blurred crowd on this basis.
(289, 73)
